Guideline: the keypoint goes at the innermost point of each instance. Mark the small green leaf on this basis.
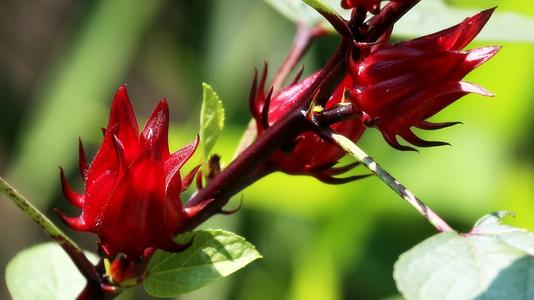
(493, 261)
(214, 254)
(211, 120)
(44, 271)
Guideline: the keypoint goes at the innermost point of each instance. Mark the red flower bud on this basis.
(399, 86)
(133, 185)
(309, 154)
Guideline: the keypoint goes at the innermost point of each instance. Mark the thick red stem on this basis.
(246, 168)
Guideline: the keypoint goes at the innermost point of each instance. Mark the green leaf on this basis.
(214, 254)
(211, 120)
(493, 261)
(44, 271)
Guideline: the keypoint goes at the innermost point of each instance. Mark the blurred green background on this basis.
(60, 62)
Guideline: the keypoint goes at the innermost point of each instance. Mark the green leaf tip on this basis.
(214, 254)
(211, 120)
(493, 219)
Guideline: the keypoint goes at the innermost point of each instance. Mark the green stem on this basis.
(73, 250)
(393, 183)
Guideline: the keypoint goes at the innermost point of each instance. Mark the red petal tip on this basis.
(475, 89)
(73, 197)
(82, 161)
(481, 55)
(337, 180)
(192, 211)
(77, 223)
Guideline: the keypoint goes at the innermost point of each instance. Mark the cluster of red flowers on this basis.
(394, 86)
(133, 185)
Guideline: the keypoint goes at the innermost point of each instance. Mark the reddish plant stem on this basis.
(246, 168)
(303, 39)
(240, 173)
(388, 15)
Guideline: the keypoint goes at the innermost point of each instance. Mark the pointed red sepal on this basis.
(198, 182)
(252, 98)
(76, 223)
(478, 56)
(121, 156)
(326, 178)
(342, 169)
(188, 179)
(391, 139)
(435, 126)
(297, 76)
(173, 188)
(234, 210)
(323, 167)
(192, 211)
(265, 109)
(177, 160)
(122, 112)
(74, 198)
(157, 128)
(122, 115)
(82, 161)
(452, 38)
(413, 139)
(263, 78)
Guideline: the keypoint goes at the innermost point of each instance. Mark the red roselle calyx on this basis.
(132, 189)
(308, 153)
(401, 85)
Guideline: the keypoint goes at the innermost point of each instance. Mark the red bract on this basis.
(133, 185)
(309, 154)
(399, 86)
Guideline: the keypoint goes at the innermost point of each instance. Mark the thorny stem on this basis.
(73, 250)
(393, 183)
(388, 15)
(304, 37)
(245, 169)
(242, 171)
